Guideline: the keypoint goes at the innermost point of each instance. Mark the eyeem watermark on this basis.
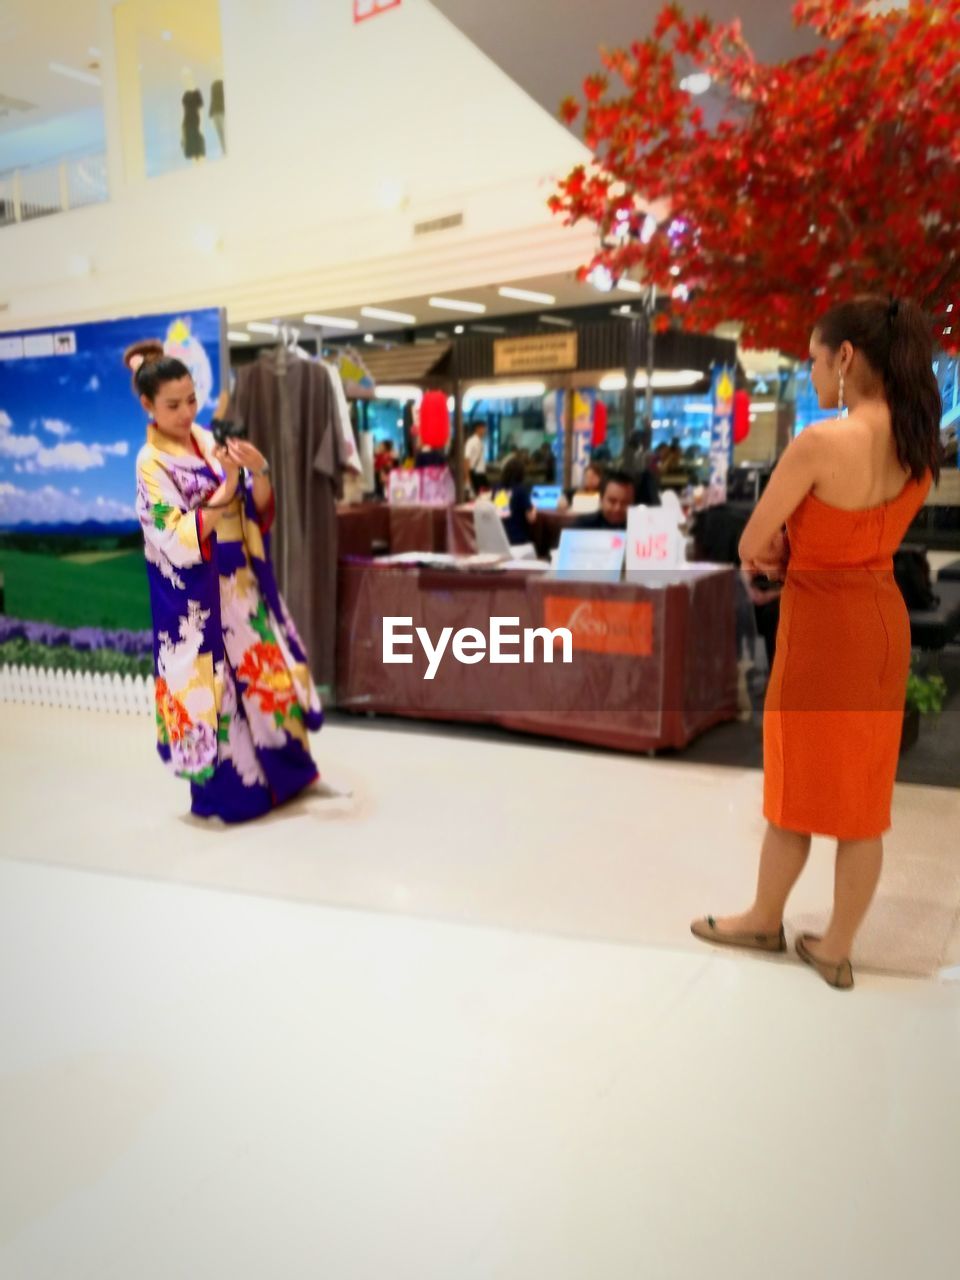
(507, 643)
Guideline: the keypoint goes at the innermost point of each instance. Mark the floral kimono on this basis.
(233, 691)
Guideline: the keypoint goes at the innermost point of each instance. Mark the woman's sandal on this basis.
(834, 974)
(706, 930)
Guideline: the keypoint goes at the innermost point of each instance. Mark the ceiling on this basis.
(549, 46)
(67, 33)
(439, 323)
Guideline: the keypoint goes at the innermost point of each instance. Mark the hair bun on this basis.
(143, 352)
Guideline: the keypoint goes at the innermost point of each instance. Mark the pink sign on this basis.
(364, 9)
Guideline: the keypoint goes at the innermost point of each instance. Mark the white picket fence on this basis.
(79, 690)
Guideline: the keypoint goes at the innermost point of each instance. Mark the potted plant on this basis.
(925, 697)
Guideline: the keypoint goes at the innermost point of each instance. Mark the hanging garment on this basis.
(191, 136)
(290, 411)
(234, 697)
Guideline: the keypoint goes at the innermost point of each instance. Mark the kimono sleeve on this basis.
(170, 528)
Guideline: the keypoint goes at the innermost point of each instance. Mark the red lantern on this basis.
(434, 420)
(741, 416)
(599, 424)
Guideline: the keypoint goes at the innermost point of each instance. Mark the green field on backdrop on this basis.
(87, 590)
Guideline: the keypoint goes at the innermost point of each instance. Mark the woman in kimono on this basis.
(233, 690)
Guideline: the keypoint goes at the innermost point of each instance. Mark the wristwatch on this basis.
(264, 471)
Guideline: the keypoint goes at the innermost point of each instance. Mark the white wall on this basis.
(321, 113)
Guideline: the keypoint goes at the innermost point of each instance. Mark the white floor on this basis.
(203, 1083)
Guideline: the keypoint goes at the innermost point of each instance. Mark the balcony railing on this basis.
(55, 188)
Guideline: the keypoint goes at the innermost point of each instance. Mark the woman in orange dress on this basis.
(846, 491)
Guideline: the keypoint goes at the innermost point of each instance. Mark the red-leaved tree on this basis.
(821, 177)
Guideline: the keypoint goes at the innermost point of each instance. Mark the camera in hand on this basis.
(225, 429)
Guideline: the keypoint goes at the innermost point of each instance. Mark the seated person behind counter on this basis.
(616, 497)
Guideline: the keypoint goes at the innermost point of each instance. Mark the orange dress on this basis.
(834, 710)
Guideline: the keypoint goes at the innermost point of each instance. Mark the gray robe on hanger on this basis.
(289, 408)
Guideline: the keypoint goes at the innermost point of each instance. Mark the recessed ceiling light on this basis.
(458, 328)
(601, 279)
(72, 73)
(368, 337)
(504, 391)
(696, 84)
(259, 326)
(331, 322)
(378, 313)
(527, 295)
(454, 304)
(238, 337)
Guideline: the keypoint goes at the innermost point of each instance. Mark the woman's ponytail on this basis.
(911, 389)
(894, 337)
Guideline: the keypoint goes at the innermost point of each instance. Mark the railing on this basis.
(78, 691)
(36, 193)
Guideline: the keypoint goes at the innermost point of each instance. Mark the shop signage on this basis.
(363, 9)
(721, 436)
(603, 626)
(542, 353)
(653, 539)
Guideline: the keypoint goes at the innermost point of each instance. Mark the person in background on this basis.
(522, 512)
(546, 458)
(616, 498)
(592, 478)
(384, 461)
(475, 459)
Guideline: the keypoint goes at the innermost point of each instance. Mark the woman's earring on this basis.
(840, 399)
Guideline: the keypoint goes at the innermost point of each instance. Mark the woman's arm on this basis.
(244, 454)
(793, 478)
(211, 511)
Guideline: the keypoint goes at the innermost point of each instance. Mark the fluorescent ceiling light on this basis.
(388, 391)
(378, 313)
(72, 73)
(331, 322)
(764, 406)
(505, 391)
(559, 321)
(458, 328)
(696, 84)
(454, 304)
(238, 337)
(527, 295)
(629, 286)
(488, 328)
(257, 326)
(368, 337)
(667, 379)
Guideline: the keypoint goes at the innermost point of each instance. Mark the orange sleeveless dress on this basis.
(834, 709)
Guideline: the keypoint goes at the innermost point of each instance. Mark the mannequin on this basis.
(192, 141)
